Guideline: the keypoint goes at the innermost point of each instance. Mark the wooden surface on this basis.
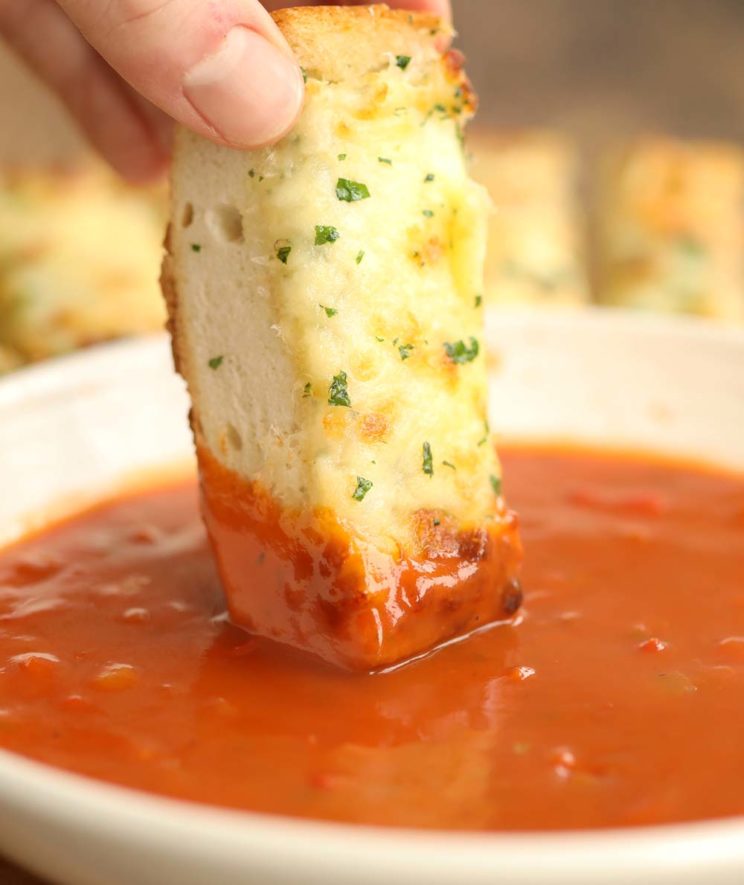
(599, 69)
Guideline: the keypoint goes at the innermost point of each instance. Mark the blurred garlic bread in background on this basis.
(79, 258)
(671, 228)
(535, 242)
(325, 304)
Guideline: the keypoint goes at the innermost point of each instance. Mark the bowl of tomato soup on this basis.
(600, 738)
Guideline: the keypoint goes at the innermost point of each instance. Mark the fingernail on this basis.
(248, 90)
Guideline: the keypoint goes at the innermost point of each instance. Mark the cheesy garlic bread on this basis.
(671, 228)
(535, 241)
(79, 258)
(325, 300)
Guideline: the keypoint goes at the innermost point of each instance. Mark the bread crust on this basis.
(336, 42)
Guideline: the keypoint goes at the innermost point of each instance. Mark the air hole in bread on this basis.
(234, 438)
(226, 223)
(188, 215)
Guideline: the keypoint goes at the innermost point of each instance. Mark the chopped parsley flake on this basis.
(362, 487)
(430, 177)
(196, 247)
(478, 300)
(330, 311)
(386, 160)
(338, 392)
(496, 484)
(251, 173)
(692, 247)
(360, 256)
(428, 461)
(437, 522)
(342, 156)
(325, 234)
(428, 213)
(351, 191)
(282, 253)
(304, 75)
(377, 338)
(307, 391)
(402, 61)
(449, 464)
(216, 362)
(460, 352)
(405, 351)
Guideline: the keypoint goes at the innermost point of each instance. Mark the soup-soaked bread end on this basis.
(325, 302)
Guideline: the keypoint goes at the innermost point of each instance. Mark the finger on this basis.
(41, 34)
(221, 68)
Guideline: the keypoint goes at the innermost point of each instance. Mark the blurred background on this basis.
(609, 138)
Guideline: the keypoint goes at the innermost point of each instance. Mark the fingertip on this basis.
(248, 93)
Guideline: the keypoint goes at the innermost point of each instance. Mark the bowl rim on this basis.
(108, 809)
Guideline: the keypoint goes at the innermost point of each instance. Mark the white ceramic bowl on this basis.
(80, 427)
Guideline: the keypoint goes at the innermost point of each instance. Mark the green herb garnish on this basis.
(325, 234)
(304, 75)
(691, 246)
(351, 191)
(386, 160)
(362, 487)
(459, 352)
(429, 177)
(428, 461)
(428, 213)
(342, 156)
(496, 484)
(216, 362)
(338, 392)
(449, 464)
(405, 351)
(360, 256)
(307, 390)
(402, 61)
(282, 253)
(478, 300)
(195, 247)
(330, 311)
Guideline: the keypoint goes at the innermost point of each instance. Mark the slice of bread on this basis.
(79, 258)
(325, 300)
(535, 242)
(671, 228)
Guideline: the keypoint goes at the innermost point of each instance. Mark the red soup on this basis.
(617, 700)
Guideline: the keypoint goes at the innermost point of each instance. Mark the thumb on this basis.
(221, 68)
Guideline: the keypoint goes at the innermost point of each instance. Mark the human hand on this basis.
(127, 68)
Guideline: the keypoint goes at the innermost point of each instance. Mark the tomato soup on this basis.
(616, 699)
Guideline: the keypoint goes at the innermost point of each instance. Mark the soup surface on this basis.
(617, 699)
